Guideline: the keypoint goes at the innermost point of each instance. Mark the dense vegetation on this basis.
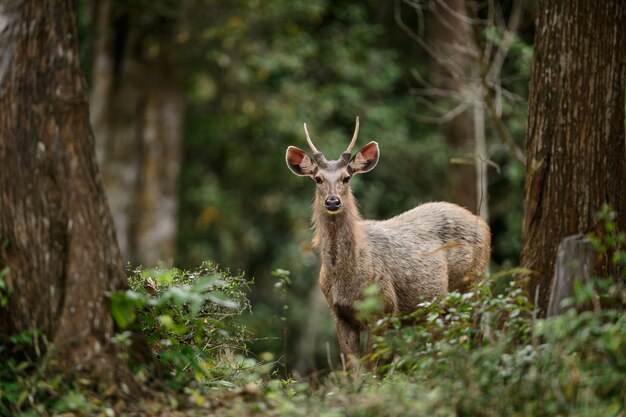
(484, 353)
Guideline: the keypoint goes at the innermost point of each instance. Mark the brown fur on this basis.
(413, 257)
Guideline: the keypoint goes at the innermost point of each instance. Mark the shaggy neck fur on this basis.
(337, 236)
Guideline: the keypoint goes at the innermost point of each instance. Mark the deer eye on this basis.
(346, 179)
(318, 179)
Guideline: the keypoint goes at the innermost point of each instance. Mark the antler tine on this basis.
(309, 141)
(354, 137)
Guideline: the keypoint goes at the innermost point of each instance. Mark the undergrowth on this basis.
(189, 321)
(476, 354)
(482, 353)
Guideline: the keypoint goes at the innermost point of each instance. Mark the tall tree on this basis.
(451, 41)
(576, 152)
(56, 230)
(137, 112)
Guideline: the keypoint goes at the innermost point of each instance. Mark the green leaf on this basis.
(123, 306)
(168, 322)
(221, 300)
(207, 282)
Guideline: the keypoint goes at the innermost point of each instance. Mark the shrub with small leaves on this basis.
(188, 319)
(453, 322)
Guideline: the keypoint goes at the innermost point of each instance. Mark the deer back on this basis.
(427, 251)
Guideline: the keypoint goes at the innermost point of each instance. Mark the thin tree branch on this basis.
(507, 40)
(504, 133)
(454, 72)
(446, 117)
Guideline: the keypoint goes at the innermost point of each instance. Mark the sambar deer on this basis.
(415, 256)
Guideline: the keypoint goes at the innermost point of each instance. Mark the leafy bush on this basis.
(486, 354)
(478, 354)
(454, 322)
(188, 319)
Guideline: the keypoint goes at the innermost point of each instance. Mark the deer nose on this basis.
(332, 203)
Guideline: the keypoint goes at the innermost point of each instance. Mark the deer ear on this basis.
(299, 162)
(365, 159)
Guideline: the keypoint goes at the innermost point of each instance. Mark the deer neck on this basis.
(337, 236)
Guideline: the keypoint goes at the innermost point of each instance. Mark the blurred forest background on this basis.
(194, 103)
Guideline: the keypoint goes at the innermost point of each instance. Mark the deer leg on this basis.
(348, 343)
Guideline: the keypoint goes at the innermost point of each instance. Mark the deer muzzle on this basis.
(332, 204)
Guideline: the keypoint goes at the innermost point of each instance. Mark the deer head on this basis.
(332, 177)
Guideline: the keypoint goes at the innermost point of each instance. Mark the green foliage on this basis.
(284, 279)
(371, 305)
(74, 401)
(21, 384)
(454, 322)
(188, 318)
(481, 353)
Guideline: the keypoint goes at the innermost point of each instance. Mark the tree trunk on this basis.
(576, 152)
(57, 233)
(137, 111)
(449, 34)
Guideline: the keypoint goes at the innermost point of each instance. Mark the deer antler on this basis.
(309, 141)
(354, 137)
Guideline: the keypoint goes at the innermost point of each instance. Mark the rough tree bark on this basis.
(137, 111)
(576, 153)
(55, 225)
